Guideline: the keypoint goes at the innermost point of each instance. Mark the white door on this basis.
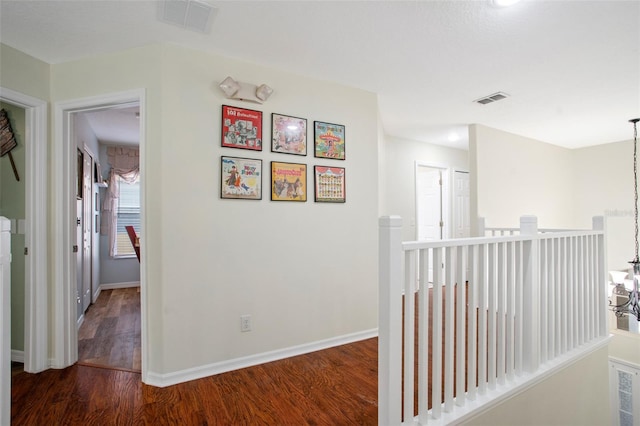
(87, 222)
(461, 211)
(429, 203)
(431, 211)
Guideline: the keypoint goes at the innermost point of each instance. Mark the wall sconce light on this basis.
(245, 91)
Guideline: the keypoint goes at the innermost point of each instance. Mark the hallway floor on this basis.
(110, 334)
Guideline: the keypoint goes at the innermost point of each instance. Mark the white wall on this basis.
(301, 270)
(604, 186)
(515, 176)
(398, 185)
(576, 396)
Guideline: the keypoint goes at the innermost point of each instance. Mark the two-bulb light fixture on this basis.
(245, 91)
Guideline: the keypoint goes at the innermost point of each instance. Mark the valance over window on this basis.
(125, 163)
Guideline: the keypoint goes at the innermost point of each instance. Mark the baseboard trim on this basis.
(112, 286)
(17, 356)
(169, 379)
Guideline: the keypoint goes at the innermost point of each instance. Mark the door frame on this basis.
(36, 350)
(65, 333)
(446, 196)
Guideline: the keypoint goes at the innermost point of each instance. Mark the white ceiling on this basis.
(571, 67)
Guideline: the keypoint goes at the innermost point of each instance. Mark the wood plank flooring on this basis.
(336, 386)
(110, 334)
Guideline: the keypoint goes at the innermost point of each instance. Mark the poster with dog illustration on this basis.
(288, 181)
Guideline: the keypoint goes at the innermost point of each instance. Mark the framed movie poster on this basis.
(241, 128)
(329, 184)
(288, 181)
(329, 140)
(241, 178)
(288, 134)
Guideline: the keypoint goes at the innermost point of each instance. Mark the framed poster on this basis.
(288, 134)
(241, 128)
(329, 184)
(329, 140)
(241, 178)
(288, 181)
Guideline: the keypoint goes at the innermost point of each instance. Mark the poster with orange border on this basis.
(288, 181)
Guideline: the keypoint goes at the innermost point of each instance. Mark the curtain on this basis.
(125, 163)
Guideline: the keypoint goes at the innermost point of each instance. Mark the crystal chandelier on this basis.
(631, 306)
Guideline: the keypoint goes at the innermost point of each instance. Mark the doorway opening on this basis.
(73, 294)
(108, 272)
(33, 230)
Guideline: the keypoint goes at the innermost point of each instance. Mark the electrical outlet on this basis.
(245, 323)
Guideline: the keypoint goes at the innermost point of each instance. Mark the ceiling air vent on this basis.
(491, 98)
(192, 15)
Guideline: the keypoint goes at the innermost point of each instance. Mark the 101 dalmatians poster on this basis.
(241, 128)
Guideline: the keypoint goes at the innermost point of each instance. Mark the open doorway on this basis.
(29, 229)
(108, 270)
(65, 287)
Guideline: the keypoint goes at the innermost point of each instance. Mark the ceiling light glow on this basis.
(505, 3)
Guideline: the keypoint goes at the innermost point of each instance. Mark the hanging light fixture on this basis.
(631, 306)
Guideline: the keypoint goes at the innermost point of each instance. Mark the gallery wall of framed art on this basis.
(241, 178)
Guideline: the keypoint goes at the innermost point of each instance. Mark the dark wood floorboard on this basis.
(336, 386)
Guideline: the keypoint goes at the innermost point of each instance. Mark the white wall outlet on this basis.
(245, 323)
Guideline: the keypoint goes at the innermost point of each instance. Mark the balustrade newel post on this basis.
(389, 319)
(531, 294)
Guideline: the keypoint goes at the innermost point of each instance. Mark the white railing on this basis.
(5, 321)
(487, 231)
(503, 309)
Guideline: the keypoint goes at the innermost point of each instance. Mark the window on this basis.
(128, 214)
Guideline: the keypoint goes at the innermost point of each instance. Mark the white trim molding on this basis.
(65, 334)
(36, 350)
(169, 379)
(113, 286)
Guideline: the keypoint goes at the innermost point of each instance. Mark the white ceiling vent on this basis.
(192, 15)
(491, 98)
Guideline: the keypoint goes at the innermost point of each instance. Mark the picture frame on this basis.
(329, 140)
(329, 184)
(240, 178)
(288, 181)
(288, 134)
(241, 128)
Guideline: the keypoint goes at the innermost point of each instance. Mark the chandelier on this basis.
(631, 306)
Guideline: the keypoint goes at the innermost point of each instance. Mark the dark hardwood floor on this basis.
(110, 334)
(336, 386)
